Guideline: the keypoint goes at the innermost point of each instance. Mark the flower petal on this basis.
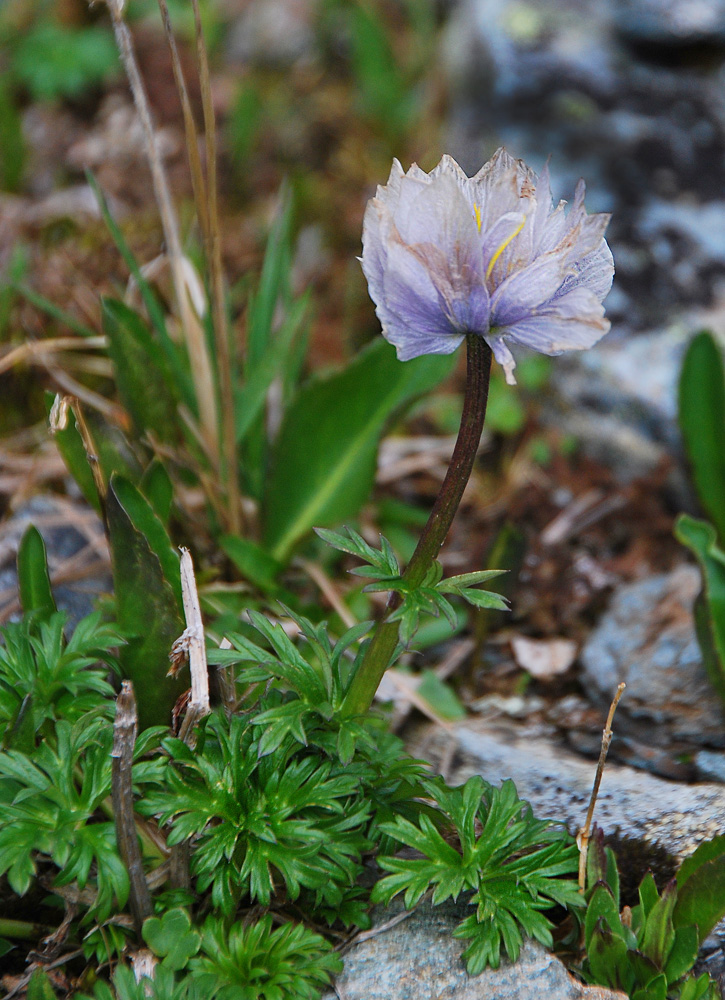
(528, 289)
(573, 322)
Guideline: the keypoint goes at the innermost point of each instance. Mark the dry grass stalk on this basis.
(32, 349)
(192, 642)
(585, 832)
(214, 257)
(205, 197)
(201, 367)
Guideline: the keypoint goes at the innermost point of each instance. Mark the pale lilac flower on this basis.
(446, 255)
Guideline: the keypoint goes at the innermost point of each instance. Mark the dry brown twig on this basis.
(124, 737)
(584, 834)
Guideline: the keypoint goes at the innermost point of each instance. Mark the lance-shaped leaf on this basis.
(33, 579)
(709, 610)
(323, 464)
(148, 599)
(702, 421)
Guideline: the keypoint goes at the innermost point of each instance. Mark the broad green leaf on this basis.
(702, 421)
(682, 955)
(709, 850)
(33, 579)
(441, 697)
(158, 489)
(148, 599)
(145, 386)
(701, 900)
(709, 611)
(323, 465)
(172, 938)
(252, 561)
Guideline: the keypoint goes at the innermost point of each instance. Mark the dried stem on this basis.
(197, 175)
(585, 832)
(385, 638)
(193, 332)
(214, 258)
(192, 642)
(124, 737)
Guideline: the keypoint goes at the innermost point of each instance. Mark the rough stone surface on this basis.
(647, 639)
(67, 529)
(558, 784)
(418, 959)
(673, 22)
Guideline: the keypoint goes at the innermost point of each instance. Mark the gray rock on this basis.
(671, 21)
(646, 638)
(273, 32)
(418, 959)
(558, 784)
(74, 539)
(710, 765)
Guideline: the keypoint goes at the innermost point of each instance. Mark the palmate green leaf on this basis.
(33, 579)
(148, 600)
(709, 610)
(323, 463)
(172, 938)
(258, 962)
(702, 422)
(514, 865)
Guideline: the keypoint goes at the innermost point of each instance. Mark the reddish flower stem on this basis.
(382, 646)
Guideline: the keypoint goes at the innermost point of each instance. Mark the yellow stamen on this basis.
(477, 210)
(503, 246)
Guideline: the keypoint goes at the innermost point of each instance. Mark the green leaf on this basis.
(701, 900)
(148, 599)
(702, 421)
(682, 954)
(70, 445)
(252, 561)
(33, 579)
(39, 987)
(54, 61)
(158, 489)
(323, 464)
(709, 611)
(179, 370)
(172, 938)
(251, 396)
(146, 389)
(709, 850)
(441, 697)
(659, 932)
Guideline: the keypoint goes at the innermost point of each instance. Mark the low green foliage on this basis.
(430, 597)
(511, 862)
(702, 423)
(649, 950)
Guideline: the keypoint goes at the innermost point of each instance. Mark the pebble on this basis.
(647, 639)
(418, 959)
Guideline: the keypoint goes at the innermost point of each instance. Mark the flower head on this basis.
(446, 255)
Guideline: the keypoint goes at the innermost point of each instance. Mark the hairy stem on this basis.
(385, 638)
